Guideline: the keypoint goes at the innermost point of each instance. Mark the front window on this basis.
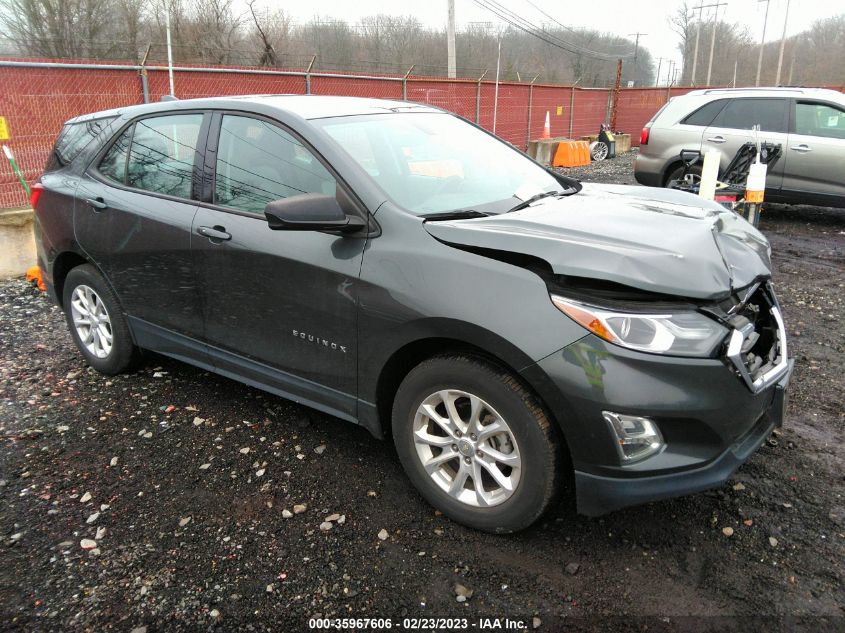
(434, 163)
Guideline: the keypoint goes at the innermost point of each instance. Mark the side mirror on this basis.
(310, 212)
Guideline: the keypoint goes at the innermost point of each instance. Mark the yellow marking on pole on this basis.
(560, 110)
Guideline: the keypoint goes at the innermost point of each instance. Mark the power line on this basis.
(514, 20)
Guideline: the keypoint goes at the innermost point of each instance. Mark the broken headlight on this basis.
(676, 333)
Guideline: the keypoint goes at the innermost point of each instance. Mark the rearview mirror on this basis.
(310, 212)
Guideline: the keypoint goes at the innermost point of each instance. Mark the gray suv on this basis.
(808, 123)
(398, 267)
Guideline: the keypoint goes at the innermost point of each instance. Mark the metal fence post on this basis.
(530, 103)
(571, 109)
(308, 75)
(145, 84)
(478, 98)
(405, 83)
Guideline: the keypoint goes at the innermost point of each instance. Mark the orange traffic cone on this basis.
(547, 127)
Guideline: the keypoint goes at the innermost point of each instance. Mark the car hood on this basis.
(658, 240)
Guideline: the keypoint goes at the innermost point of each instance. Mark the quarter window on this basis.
(74, 138)
(113, 165)
(743, 114)
(258, 162)
(161, 156)
(819, 119)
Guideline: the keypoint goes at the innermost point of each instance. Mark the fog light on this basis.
(636, 437)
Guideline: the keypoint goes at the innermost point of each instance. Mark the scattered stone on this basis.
(259, 472)
(382, 535)
(113, 462)
(92, 518)
(184, 521)
(286, 514)
(214, 613)
(299, 508)
(728, 531)
(104, 507)
(325, 526)
(244, 450)
(333, 517)
(139, 629)
(147, 435)
(372, 493)
(461, 590)
(88, 543)
(62, 428)
(205, 466)
(739, 486)
(319, 449)
(159, 374)
(341, 520)
(198, 421)
(270, 588)
(85, 498)
(572, 568)
(748, 522)
(16, 537)
(101, 532)
(300, 456)
(461, 598)
(773, 541)
(536, 622)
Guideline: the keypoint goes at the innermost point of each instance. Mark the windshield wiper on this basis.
(460, 214)
(534, 199)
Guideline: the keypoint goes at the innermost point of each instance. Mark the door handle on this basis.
(716, 139)
(98, 204)
(214, 233)
(803, 148)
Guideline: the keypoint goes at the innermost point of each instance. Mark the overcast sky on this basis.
(621, 17)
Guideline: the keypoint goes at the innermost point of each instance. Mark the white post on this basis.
(169, 50)
(450, 41)
(496, 94)
(782, 42)
(762, 42)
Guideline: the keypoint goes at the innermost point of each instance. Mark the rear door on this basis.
(732, 128)
(815, 156)
(280, 306)
(140, 197)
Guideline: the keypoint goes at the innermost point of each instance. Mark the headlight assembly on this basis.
(676, 333)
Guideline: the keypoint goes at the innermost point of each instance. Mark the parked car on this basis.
(398, 267)
(808, 123)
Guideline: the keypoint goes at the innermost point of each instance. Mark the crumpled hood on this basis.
(659, 240)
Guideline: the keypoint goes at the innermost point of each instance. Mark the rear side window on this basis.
(113, 164)
(74, 138)
(705, 114)
(162, 152)
(743, 114)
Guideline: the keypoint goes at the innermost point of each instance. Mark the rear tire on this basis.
(496, 468)
(96, 322)
(678, 172)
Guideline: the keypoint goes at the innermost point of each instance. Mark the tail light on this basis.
(35, 194)
(644, 135)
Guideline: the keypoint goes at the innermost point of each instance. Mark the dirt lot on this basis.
(185, 480)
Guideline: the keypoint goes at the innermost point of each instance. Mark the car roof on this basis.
(304, 106)
(779, 91)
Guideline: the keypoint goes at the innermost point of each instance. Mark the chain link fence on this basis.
(39, 96)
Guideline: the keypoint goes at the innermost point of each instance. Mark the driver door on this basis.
(280, 306)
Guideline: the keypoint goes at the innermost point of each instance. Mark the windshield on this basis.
(435, 162)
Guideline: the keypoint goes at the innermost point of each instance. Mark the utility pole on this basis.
(636, 51)
(496, 94)
(762, 42)
(713, 38)
(659, 64)
(169, 51)
(697, 36)
(782, 42)
(450, 40)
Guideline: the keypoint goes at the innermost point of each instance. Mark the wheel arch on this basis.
(62, 265)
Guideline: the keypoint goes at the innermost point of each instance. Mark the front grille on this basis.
(757, 346)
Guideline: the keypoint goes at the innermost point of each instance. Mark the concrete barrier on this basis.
(17, 242)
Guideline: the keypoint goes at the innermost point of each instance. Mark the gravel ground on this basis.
(214, 506)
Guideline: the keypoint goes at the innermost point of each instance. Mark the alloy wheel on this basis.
(467, 448)
(91, 321)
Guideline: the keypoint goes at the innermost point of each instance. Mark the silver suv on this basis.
(809, 124)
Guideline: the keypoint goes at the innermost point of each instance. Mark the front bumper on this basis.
(597, 495)
(711, 421)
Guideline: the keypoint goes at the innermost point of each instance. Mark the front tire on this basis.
(96, 322)
(475, 443)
